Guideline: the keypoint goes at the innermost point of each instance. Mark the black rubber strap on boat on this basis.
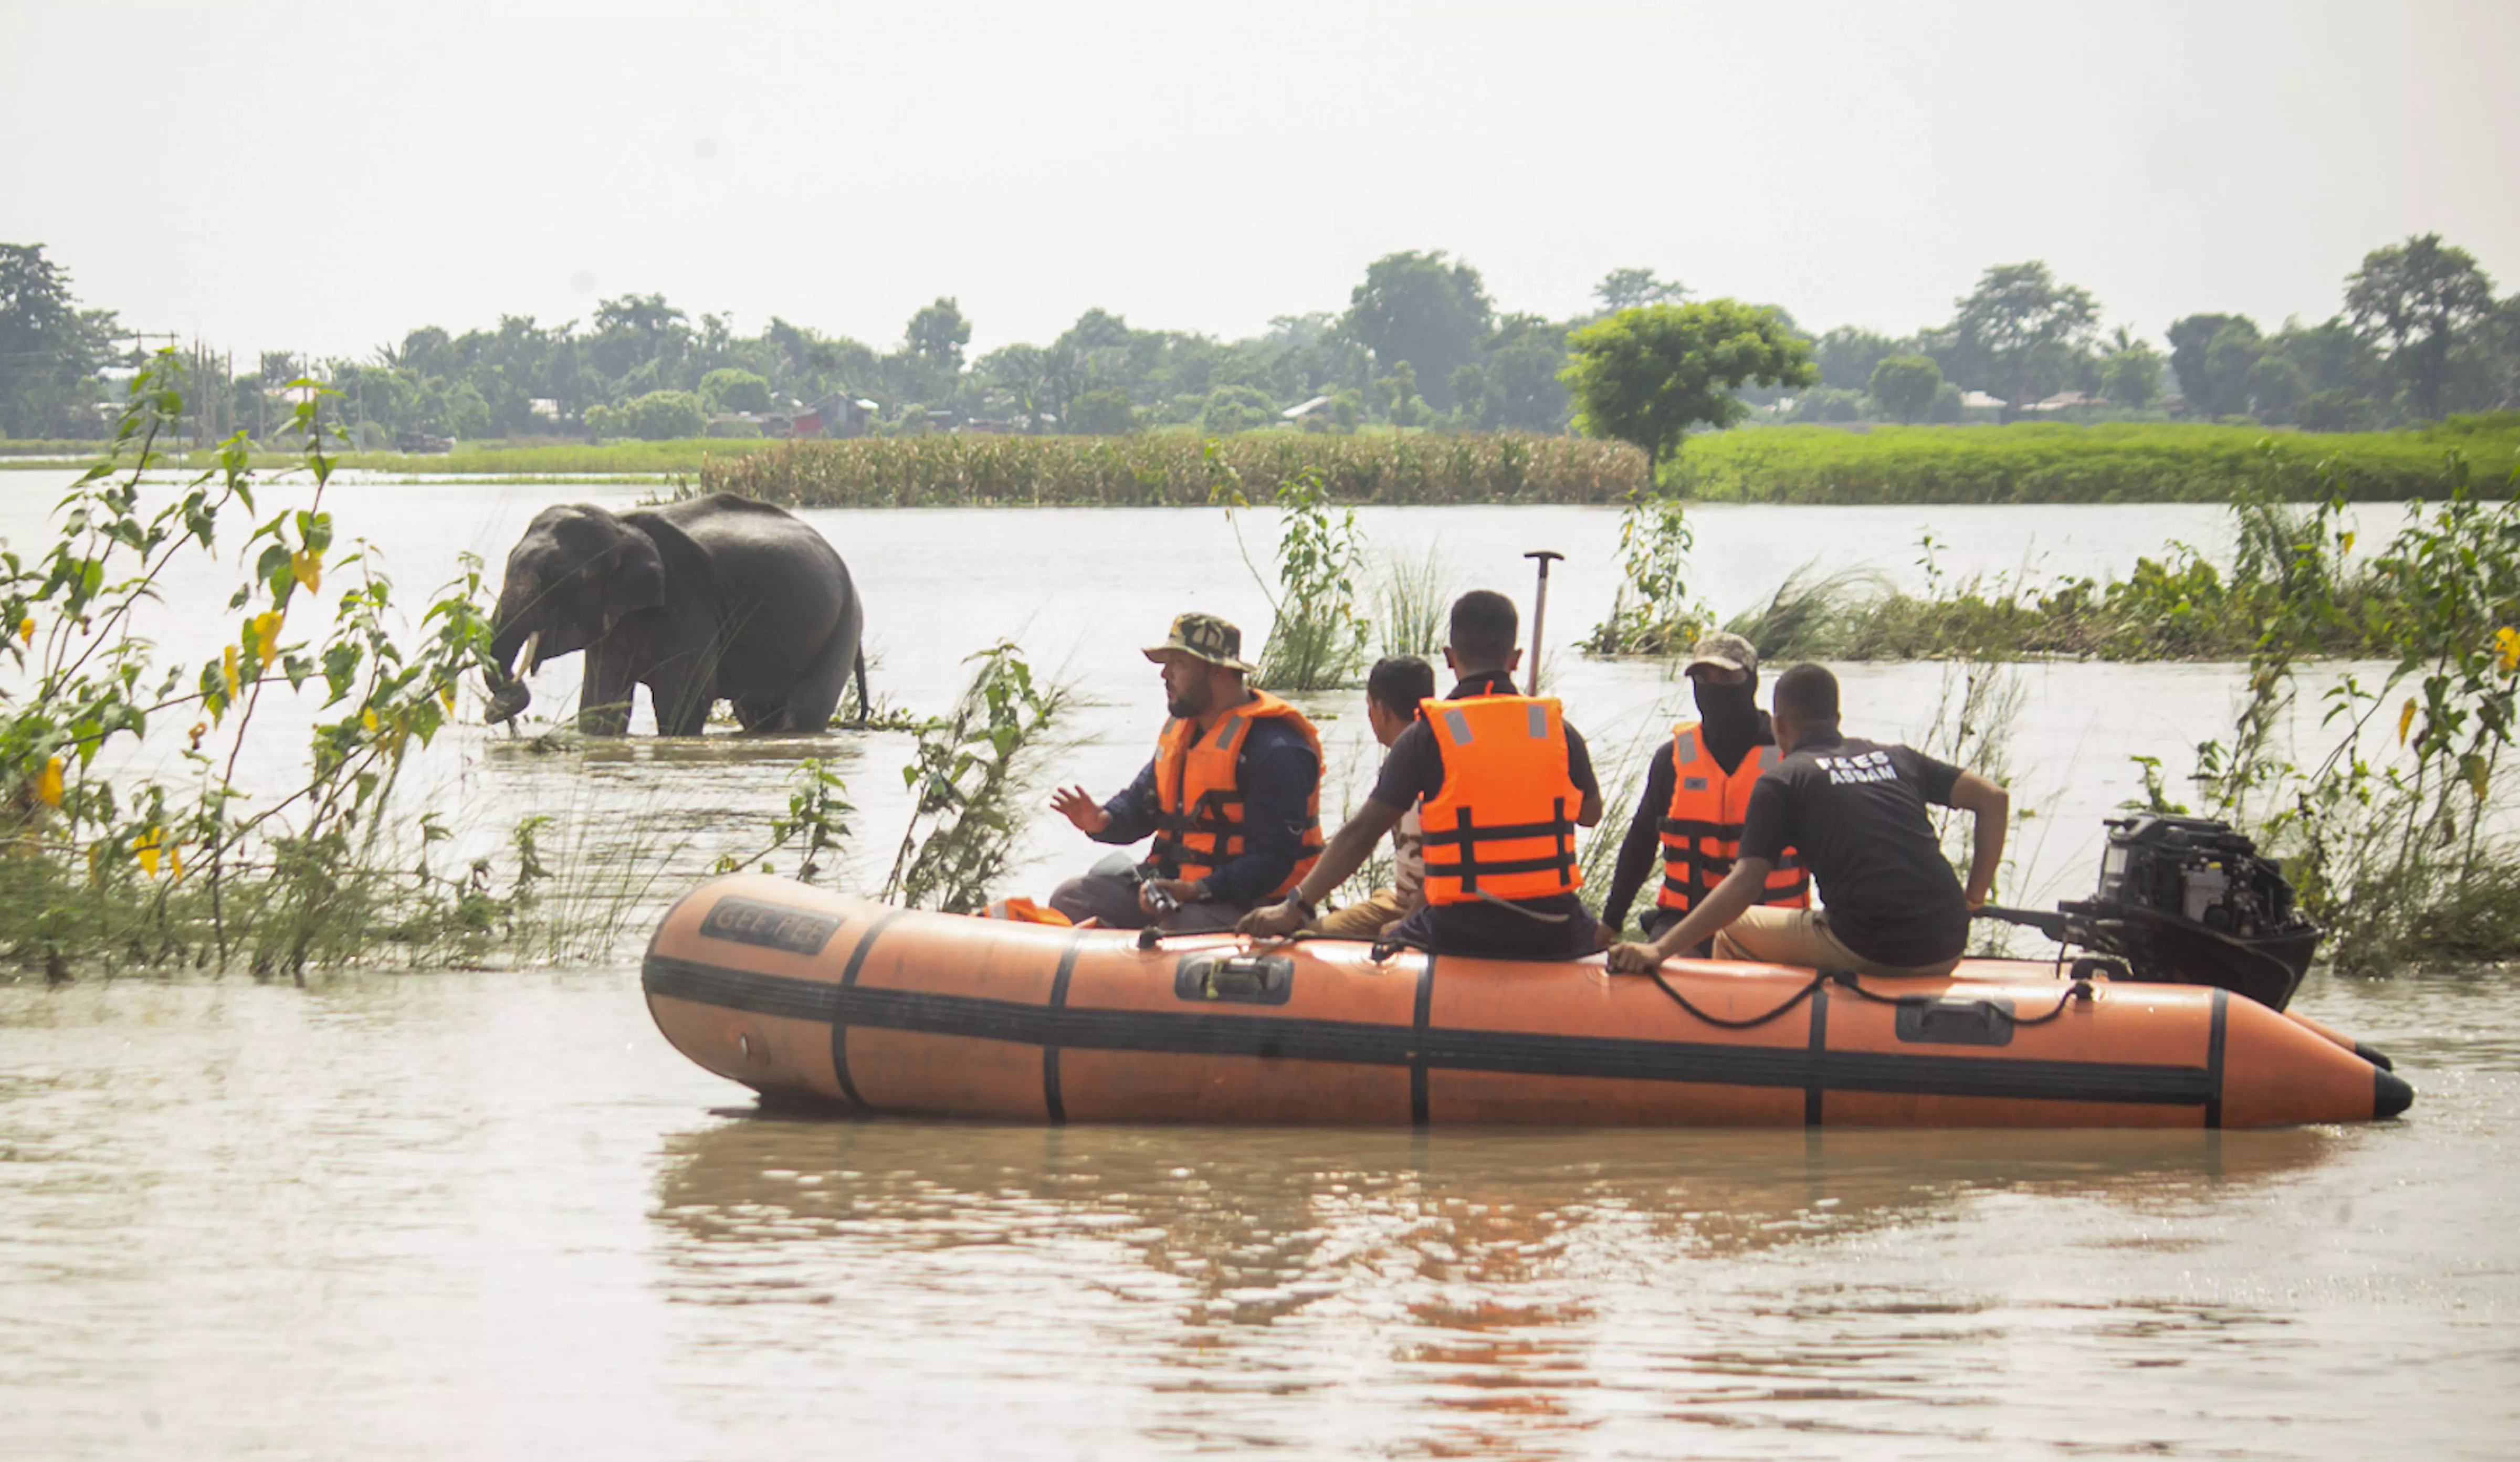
(840, 1027)
(2214, 1059)
(1051, 1102)
(1818, 1088)
(1417, 1040)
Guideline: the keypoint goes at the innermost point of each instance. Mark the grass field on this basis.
(2058, 463)
(2023, 462)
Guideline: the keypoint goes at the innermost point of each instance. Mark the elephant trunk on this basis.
(507, 643)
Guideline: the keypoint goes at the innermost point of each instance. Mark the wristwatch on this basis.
(1304, 906)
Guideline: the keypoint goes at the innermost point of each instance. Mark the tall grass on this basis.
(683, 458)
(1412, 604)
(1169, 469)
(975, 776)
(2059, 462)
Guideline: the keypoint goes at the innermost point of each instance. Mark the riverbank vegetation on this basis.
(2388, 815)
(2416, 334)
(2055, 463)
(195, 868)
(1178, 469)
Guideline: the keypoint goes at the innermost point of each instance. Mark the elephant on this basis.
(706, 599)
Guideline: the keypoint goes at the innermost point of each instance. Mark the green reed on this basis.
(1177, 469)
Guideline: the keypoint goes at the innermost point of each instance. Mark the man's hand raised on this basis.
(1078, 807)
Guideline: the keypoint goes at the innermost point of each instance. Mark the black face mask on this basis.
(1730, 716)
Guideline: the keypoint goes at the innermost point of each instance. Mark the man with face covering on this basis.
(1696, 793)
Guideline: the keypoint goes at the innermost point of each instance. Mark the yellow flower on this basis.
(48, 782)
(228, 669)
(174, 863)
(446, 697)
(144, 849)
(2506, 649)
(27, 630)
(2345, 544)
(309, 567)
(367, 719)
(2405, 718)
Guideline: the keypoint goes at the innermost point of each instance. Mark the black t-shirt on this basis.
(1414, 770)
(1855, 814)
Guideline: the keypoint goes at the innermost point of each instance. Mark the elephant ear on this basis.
(637, 582)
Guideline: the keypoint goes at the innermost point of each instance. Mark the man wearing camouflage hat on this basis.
(1697, 792)
(1232, 796)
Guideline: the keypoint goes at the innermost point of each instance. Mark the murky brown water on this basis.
(493, 1214)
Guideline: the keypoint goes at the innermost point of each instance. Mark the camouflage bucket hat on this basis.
(1204, 636)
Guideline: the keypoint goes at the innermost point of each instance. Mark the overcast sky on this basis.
(325, 177)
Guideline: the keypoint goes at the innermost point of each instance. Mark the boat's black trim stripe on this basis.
(1813, 1094)
(1418, 1044)
(1050, 1099)
(2214, 1058)
(830, 1012)
(1528, 1053)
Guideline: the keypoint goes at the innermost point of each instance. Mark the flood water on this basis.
(491, 1213)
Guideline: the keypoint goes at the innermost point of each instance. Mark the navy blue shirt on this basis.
(1277, 774)
(1412, 771)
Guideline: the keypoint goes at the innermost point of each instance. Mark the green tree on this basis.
(1524, 358)
(2415, 297)
(1846, 357)
(1628, 289)
(1903, 386)
(2131, 373)
(663, 415)
(1416, 308)
(1397, 396)
(1232, 408)
(50, 349)
(1102, 413)
(635, 331)
(729, 389)
(937, 333)
(2192, 340)
(2024, 328)
(1646, 376)
(2230, 358)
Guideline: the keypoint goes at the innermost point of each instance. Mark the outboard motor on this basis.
(2188, 901)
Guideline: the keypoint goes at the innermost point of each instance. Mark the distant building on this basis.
(835, 415)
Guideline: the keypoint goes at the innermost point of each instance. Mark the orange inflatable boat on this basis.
(800, 994)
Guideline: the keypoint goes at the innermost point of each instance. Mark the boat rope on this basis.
(1847, 980)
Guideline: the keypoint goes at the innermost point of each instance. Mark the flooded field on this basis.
(491, 1213)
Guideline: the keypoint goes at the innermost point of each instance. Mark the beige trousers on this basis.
(1364, 920)
(1801, 936)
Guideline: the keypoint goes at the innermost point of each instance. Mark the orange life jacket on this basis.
(1198, 793)
(1503, 825)
(1701, 833)
(1025, 911)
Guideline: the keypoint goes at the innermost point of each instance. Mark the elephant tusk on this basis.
(533, 651)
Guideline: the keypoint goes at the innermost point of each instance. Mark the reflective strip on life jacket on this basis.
(1503, 825)
(1701, 830)
(1198, 793)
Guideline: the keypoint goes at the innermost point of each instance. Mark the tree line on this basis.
(2419, 333)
